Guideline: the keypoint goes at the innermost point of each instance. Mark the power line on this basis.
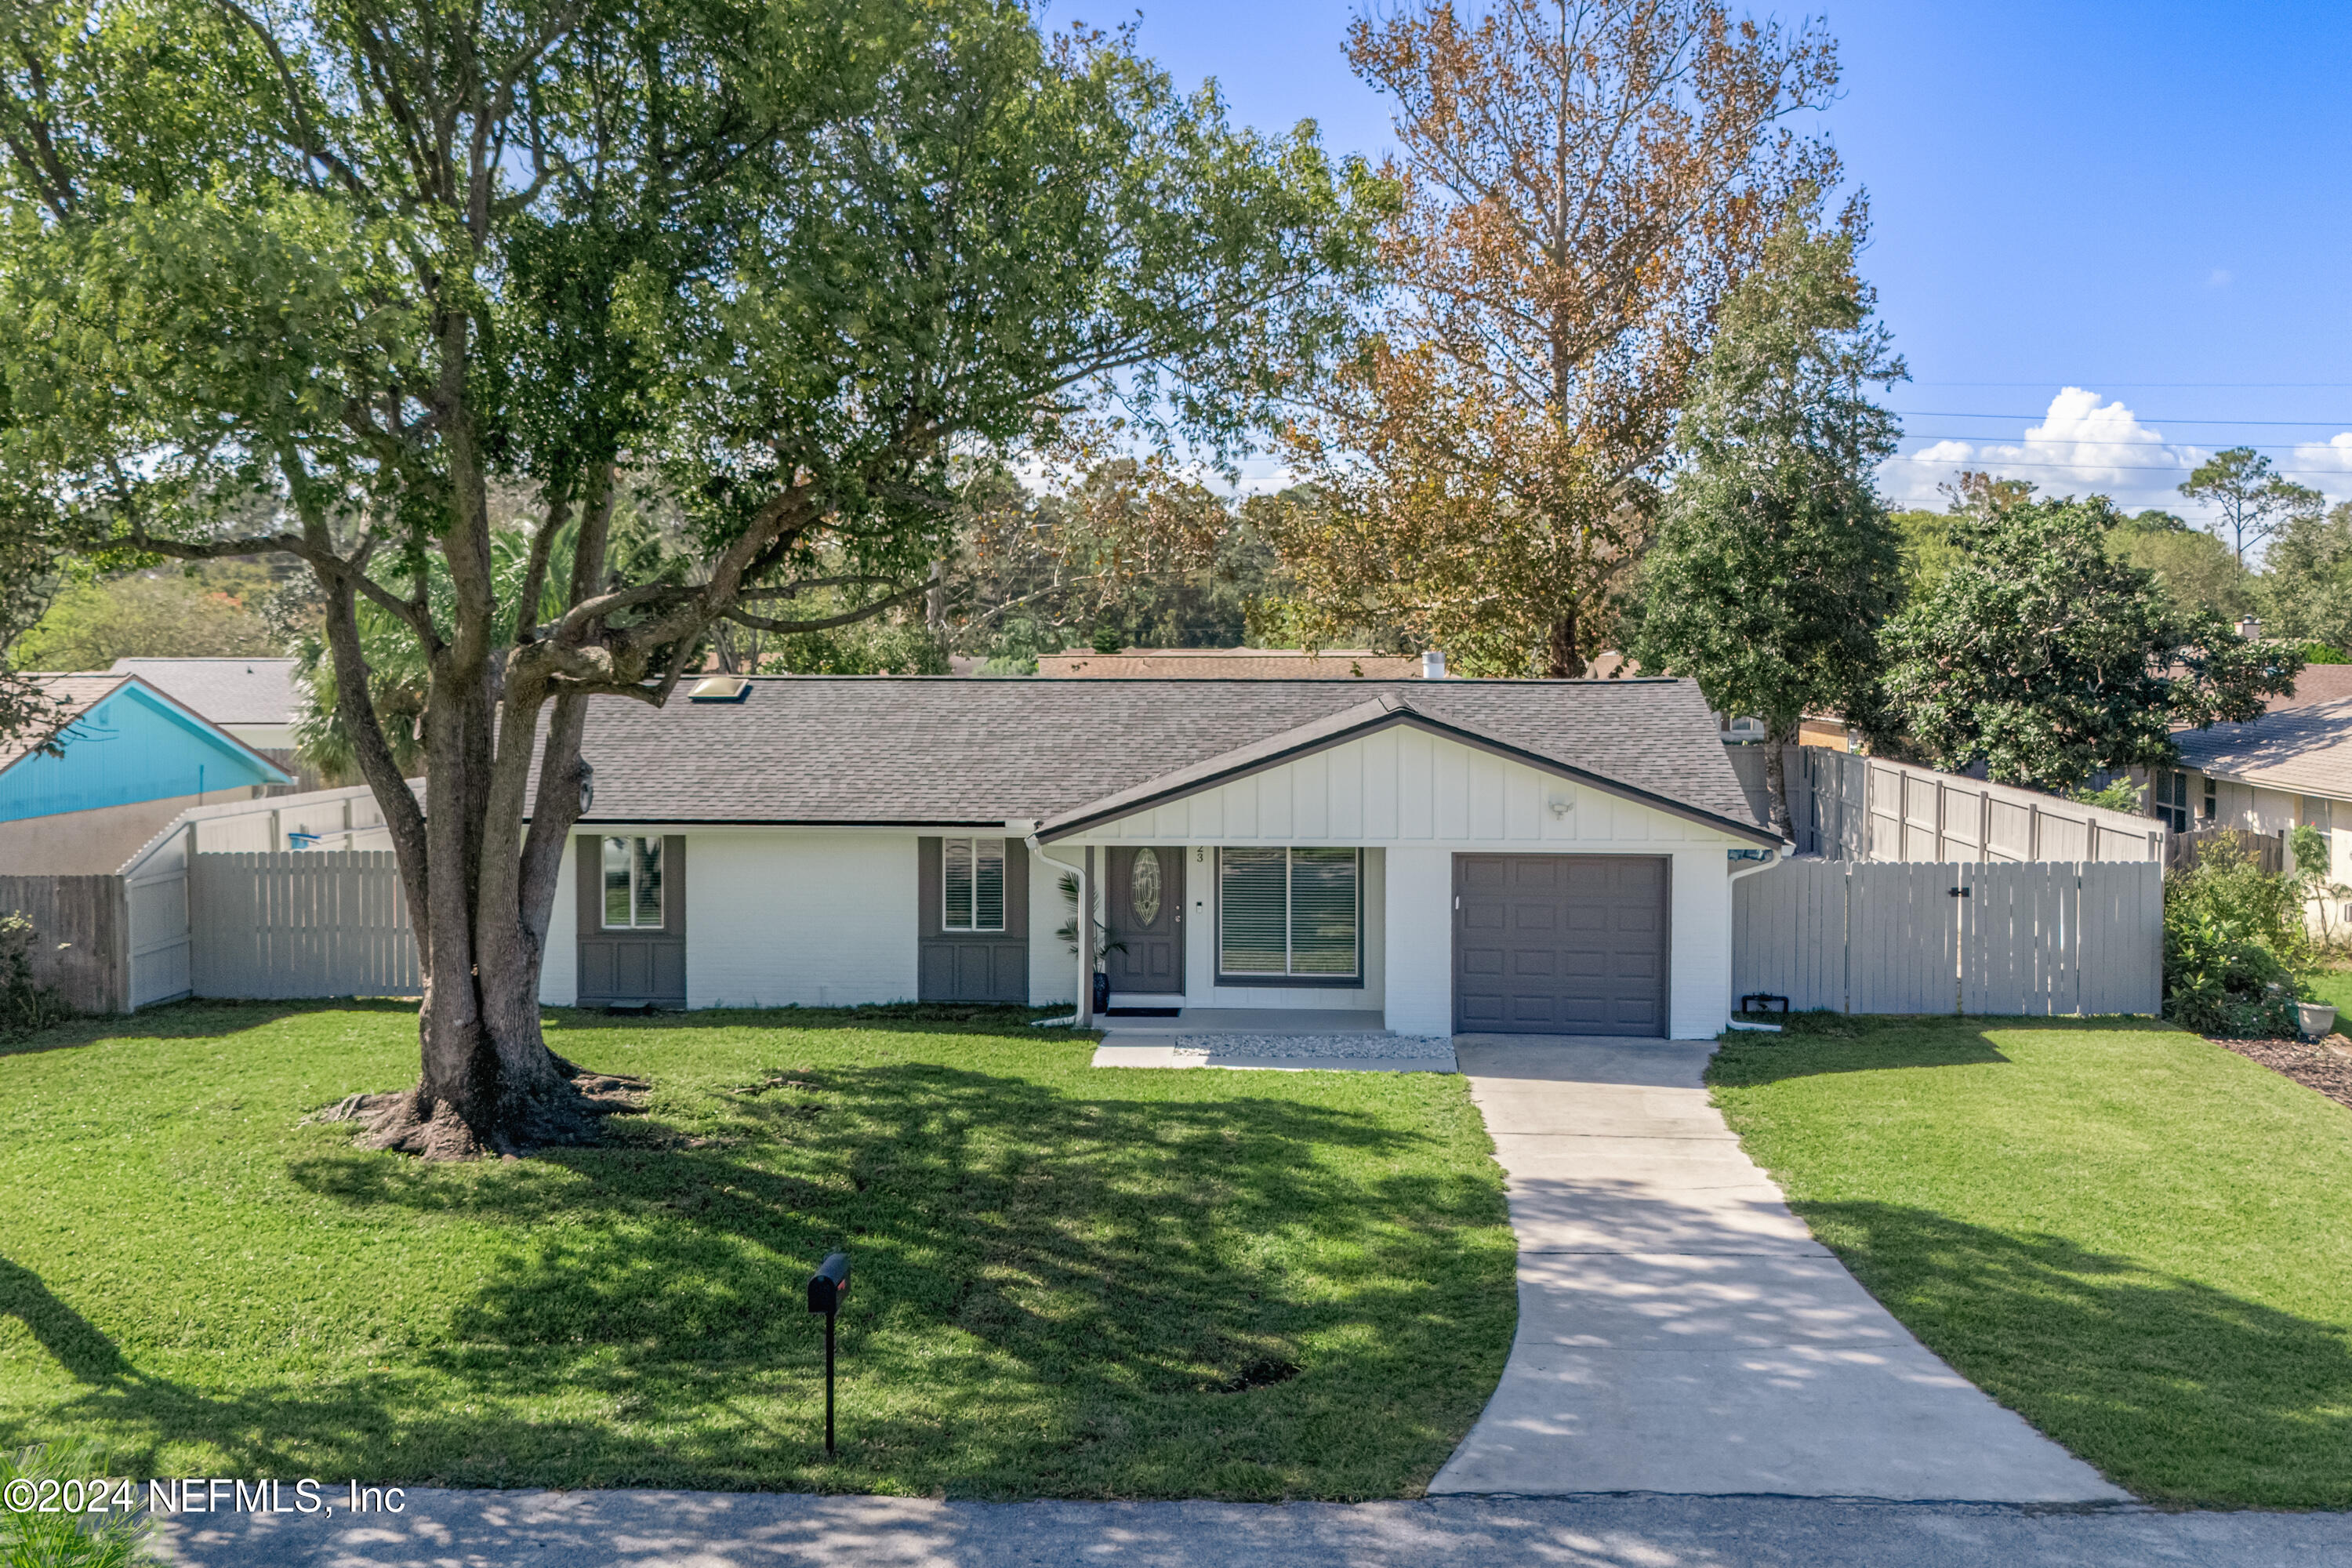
(2099, 441)
(2182, 385)
(2146, 418)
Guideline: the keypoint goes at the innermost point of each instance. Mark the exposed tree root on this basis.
(412, 1121)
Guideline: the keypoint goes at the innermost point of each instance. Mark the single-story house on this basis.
(1440, 856)
(133, 758)
(2289, 767)
(1231, 664)
(253, 699)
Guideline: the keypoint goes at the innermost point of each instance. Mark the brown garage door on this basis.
(1559, 944)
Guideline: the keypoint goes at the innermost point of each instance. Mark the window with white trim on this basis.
(972, 884)
(633, 884)
(1289, 913)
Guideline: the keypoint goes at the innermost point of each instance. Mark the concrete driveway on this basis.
(1680, 1331)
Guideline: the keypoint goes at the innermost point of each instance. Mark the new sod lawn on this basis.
(1067, 1282)
(2129, 1236)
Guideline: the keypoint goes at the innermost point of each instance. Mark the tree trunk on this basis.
(480, 886)
(1776, 775)
(1562, 660)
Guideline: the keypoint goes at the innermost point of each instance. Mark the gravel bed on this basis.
(2326, 1067)
(1358, 1046)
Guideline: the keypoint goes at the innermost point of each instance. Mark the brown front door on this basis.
(1143, 898)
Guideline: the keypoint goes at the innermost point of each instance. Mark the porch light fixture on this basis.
(1561, 802)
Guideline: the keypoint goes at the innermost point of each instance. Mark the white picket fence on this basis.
(2044, 938)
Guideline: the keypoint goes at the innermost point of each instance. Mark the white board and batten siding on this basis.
(1419, 799)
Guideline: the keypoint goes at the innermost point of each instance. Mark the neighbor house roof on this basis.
(224, 690)
(935, 750)
(1228, 664)
(2304, 749)
(80, 692)
(2318, 683)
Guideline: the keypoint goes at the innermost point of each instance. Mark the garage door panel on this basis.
(1560, 943)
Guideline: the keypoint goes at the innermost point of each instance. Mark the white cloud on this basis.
(2322, 465)
(2082, 444)
(2218, 278)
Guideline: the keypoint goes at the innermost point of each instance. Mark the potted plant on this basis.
(1105, 945)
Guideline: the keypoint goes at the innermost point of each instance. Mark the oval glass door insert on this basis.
(1143, 888)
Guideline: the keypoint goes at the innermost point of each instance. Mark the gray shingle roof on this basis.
(2305, 750)
(224, 690)
(902, 750)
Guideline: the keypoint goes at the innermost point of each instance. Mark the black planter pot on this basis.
(1102, 993)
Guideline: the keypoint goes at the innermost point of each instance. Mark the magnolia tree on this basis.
(338, 278)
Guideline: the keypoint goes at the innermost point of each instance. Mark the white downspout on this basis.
(1085, 1016)
(1730, 1001)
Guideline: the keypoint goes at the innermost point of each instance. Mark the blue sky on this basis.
(2123, 228)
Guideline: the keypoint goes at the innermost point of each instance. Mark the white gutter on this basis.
(1731, 1002)
(1085, 1016)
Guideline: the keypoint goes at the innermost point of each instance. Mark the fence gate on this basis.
(293, 923)
(2041, 938)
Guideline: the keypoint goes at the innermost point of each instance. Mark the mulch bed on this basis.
(2325, 1066)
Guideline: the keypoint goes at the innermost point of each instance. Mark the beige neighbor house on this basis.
(2289, 767)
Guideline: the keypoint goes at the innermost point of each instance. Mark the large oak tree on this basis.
(324, 276)
(1584, 183)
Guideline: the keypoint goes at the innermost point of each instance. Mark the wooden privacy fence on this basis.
(1867, 808)
(2080, 937)
(78, 937)
(292, 923)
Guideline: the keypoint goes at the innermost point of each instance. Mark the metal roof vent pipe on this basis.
(1433, 664)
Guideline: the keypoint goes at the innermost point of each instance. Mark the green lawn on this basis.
(2333, 986)
(2134, 1238)
(1069, 1282)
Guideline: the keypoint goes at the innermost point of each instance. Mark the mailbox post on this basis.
(826, 1287)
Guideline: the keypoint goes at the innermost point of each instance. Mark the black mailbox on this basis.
(829, 1284)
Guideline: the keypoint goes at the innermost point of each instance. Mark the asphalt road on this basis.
(707, 1529)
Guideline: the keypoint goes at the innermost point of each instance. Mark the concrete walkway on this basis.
(767, 1530)
(1680, 1331)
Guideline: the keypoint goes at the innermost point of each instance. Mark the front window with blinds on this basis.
(1287, 914)
(633, 884)
(972, 884)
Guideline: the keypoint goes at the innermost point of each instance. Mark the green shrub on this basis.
(24, 1005)
(2121, 795)
(2234, 937)
(59, 1473)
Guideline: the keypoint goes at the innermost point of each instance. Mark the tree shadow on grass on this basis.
(188, 1020)
(1816, 1043)
(1051, 1293)
(2176, 1390)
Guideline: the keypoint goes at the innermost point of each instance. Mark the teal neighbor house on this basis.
(130, 759)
